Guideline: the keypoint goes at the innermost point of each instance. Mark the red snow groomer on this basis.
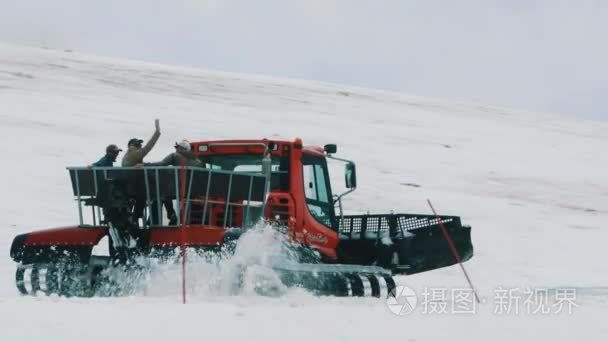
(284, 183)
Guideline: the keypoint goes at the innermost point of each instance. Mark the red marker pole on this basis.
(454, 250)
(183, 226)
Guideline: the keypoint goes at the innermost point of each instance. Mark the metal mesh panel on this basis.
(412, 223)
(344, 225)
(377, 226)
(384, 225)
(357, 225)
(372, 224)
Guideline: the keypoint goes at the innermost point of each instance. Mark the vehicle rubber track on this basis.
(338, 280)
(49, 279)
(80, 280)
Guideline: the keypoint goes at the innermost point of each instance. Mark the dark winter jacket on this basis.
(136, 156)
(175, 159)
(106, 160)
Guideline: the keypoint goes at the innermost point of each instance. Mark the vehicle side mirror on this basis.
(330, 148)
(350, 175)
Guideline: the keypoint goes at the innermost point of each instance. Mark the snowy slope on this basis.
(533, 186)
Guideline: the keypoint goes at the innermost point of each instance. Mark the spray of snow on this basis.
(245, 269)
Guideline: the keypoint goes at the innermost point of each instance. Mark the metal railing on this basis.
(216, 191)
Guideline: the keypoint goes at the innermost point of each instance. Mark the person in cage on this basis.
(135, 155)
(108, 159)
(183, 152)
(135, 152)
(182, 156)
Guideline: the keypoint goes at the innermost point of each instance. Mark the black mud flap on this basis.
(403, 243)
(428, 249)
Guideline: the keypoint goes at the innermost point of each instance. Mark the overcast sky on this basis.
(541, 55)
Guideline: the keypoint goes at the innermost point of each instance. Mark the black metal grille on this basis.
(411, 223)
(378, 226)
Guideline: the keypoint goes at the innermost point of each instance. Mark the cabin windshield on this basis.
(252, 163)
(240, 162)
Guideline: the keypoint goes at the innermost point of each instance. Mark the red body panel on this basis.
(194, 236)
(248, 146)
(66, 236)
(307, 229)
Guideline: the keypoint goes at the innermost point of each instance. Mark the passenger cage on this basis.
(212, 197)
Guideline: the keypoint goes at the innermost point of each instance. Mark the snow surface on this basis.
(534, 187)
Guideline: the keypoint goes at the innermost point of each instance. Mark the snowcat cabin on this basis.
(245, 157)
(297, 172)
